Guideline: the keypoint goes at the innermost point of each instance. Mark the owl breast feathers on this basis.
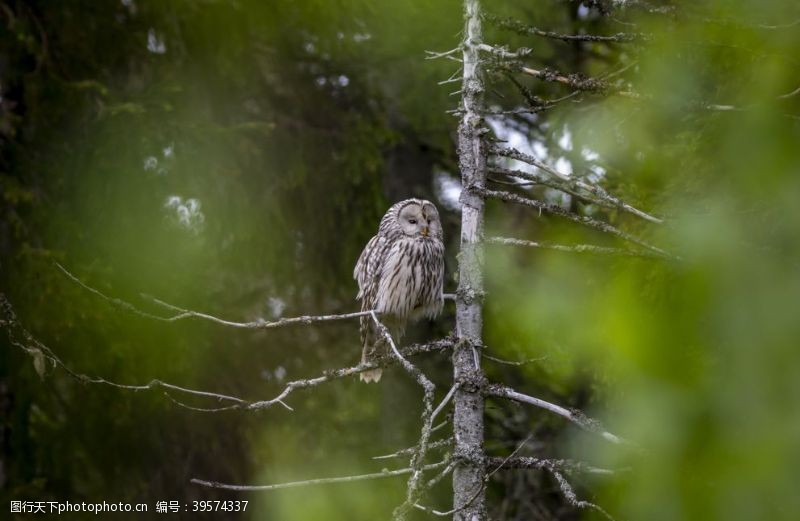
(400, 275)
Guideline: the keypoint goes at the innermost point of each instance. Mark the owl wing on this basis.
(368, 269)
(367, 273)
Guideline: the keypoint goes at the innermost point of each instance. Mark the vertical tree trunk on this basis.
(469, 498)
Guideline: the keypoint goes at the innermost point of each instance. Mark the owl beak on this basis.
(425, 231)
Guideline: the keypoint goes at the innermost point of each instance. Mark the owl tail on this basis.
(373, 375)
(375, 345)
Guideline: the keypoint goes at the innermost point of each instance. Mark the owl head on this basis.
(415, 218)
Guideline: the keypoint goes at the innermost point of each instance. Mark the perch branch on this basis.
(182, 313)
(41, 352)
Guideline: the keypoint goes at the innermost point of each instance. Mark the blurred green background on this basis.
(234, 158)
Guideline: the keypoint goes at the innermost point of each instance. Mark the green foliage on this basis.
(294, 124)
(695, 360)
(216, 155)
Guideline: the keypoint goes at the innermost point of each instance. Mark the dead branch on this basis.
(415, 484)
(337, 374)
(319, 481)
(572, 498)
(41, 352)
(566, 183)
(515, 363)
(529, 30)
(182, 314)
(412, 450)
(21, 338)
(582, 83)
(582, 219)
(576, 248)
(575, 416)
(524, 462)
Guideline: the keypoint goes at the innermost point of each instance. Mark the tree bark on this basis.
(469, 498)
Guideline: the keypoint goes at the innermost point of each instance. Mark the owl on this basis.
(400, 275)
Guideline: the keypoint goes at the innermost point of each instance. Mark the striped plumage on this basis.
(400, 274)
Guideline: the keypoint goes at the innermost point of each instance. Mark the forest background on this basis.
(234, 158)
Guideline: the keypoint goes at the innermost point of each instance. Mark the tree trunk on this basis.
(469, 498)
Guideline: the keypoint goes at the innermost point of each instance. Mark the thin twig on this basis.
(311, 482)
(21, 338)
(575, 248)
(572, 498)
(432, 55)
(582, 219)
(38, 350)
(351, 371)
(516, 363)
(525, 462)
(566, 183)
(186, 313)
(575, 416)
(412, 450)
(525, 30)
(444, 402)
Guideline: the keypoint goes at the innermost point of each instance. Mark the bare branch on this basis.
(582, 219)
(577, 248)
(337, 374)
(575, 81)
(312, 482)
(524, 462)
(38, 350)
(185, 313)
(528, 30)
(502, 52)
(432, 55)
(572, 498)
(575, 416)
(582, 83)
(507, 458)
(444, 402)
(788, 95)
(412, 450)
(515, 363)
(568, 184)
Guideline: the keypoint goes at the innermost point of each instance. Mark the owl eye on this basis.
(412, 221)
